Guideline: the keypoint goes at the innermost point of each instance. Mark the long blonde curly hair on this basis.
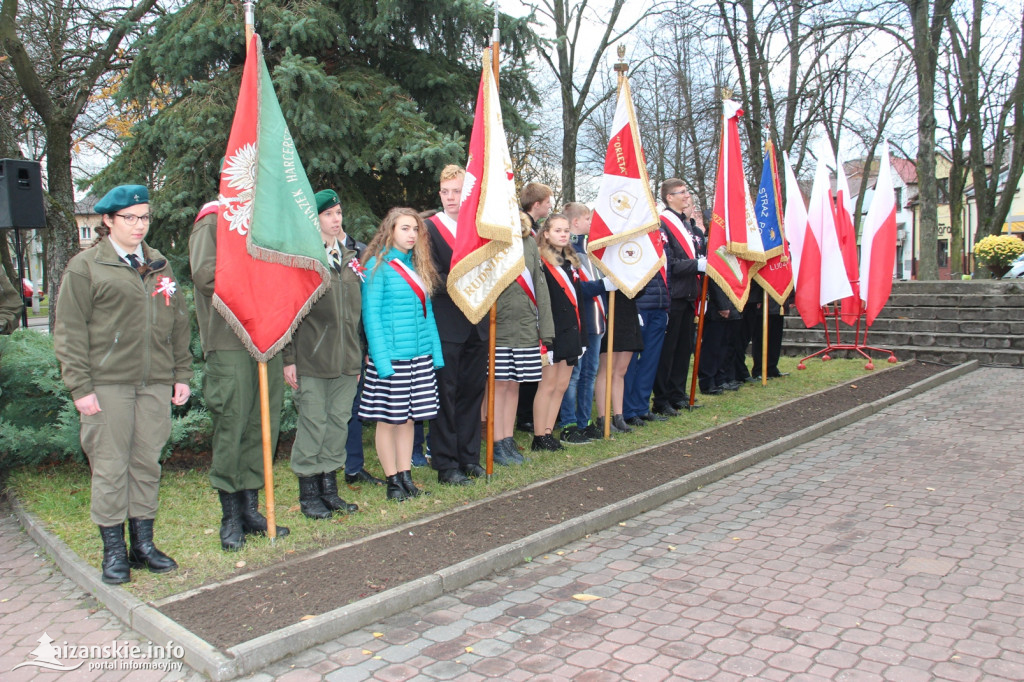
(384, 240)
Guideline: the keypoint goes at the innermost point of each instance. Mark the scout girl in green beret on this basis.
(322, 365)
(122, 338)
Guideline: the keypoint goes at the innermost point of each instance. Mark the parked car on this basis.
(1016, 270)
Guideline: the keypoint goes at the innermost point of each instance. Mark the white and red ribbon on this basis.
(413, 280)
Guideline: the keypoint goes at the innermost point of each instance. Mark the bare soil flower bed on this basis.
(281, 595)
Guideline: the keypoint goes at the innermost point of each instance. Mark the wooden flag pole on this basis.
(609, 366)
(764, 339)
(492, 328)
(621, 67)
(268, 455)
(702, 306)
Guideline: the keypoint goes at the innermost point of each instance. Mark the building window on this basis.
(86, 232)
(899, 198)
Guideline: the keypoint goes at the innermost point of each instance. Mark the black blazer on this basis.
(452, 324)
(568, 343)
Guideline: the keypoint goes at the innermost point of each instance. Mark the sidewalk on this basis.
(888, 550)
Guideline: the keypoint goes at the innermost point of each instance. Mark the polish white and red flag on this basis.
(878, 243)
(624, 237)
(488, 252)
(805, 251)
(834, 283)
(847, 233)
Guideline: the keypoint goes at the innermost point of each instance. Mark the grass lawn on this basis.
(189, 517)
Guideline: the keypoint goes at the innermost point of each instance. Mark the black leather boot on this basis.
(329, 485)
(309, 498)
(254, 523)
(619, 423)
(115, 555)
(143, 552)
(396, 491)
(405, 477)
(232, 538)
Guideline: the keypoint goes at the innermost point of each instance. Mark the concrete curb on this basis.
(252, 656)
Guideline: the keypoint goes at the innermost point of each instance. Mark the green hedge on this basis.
(39, 422)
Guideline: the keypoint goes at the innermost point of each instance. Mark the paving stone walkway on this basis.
(888, 550)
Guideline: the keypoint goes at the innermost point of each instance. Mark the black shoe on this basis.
(652, 417)
(396, 491)
(363, 476)
(613, 427)
(552, 442)
(232, 537)
(310, 490)
(714, 390)
(475, 470)
(329, 485)
(453, 477)
(525, 426)
(254, 523)
(539, 444)
(619, 423)
(732, 386)
(405, 478)
(143, 552)
(512, 450)
(592, 432)
(778, 375)
(573, 436)
(506, 455)
(116, 569)
(751, 379)
(667, 411)
(635, 421)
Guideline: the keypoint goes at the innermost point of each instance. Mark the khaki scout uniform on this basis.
(10, 304)
(126, 339)
(231, 379)
(327, 353)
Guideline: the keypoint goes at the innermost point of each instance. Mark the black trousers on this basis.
(674, 365)
(455, 433)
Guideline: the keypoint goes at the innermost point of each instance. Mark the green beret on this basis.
(325, 199)
(122, 197)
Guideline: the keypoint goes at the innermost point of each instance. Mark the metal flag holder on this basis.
(860, 343)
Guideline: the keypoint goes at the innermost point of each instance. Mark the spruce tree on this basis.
(379, 96)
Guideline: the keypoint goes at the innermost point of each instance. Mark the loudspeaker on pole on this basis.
(21, 195)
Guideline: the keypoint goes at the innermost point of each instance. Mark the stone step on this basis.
(985, 286)
(974, 312)
(945, 356)
(938, 326)
(957, 300)
(923, 339)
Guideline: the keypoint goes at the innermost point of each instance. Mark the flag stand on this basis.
(764, 337)
(859, 345)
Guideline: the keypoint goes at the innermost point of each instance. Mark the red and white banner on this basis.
(624, 236)
(878, 243)
(847, 233)
(735, 250)
(488, 251)
(835, 285)
(805, 251)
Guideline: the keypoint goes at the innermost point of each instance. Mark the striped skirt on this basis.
(409, 393)
(517, 364)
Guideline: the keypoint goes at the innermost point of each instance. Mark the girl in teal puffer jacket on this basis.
(399, 387)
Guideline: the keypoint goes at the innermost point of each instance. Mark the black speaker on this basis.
(21, 195)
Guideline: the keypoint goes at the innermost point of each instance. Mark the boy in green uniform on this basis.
(231, 390)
